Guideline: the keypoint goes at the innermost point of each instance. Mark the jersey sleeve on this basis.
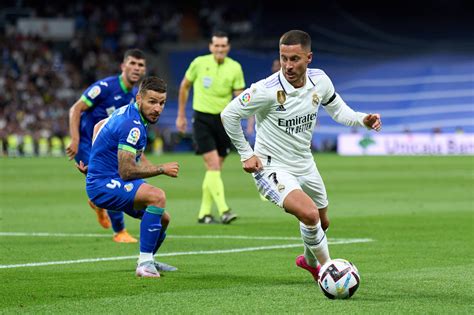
(192, 71)
(248, 103)
(239, 82)
(94, 94)
(337, 108)
(131, 136)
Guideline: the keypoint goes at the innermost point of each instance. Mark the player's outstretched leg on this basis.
(102, 216)
(316, 248)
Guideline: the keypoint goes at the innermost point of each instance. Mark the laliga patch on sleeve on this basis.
(94, 92)
(244, 99)
(133, 136)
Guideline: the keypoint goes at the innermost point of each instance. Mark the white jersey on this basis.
(285, 118)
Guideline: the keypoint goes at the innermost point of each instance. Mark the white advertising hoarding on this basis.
(405, 144)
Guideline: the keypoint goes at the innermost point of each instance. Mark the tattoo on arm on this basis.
(129, 169)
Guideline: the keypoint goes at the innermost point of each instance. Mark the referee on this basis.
(215, 78)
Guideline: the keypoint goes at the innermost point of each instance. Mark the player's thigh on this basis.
(313, 185)
(148, 195)
(298, 203)
(275, 185)
(114, 193)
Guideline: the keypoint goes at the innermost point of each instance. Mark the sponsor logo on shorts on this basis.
(133, 136)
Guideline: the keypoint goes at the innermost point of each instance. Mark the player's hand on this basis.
(170, 169)
(181, 124)
(71, 149)
(373, 121)
(82, 168)
(252, 165)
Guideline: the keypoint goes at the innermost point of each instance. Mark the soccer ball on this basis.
(338, 279)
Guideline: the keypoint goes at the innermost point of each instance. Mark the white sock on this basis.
(145, 257)
(315, 241)
(309, 257)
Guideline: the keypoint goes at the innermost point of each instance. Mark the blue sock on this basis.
(116, 218)
(150, 228)
(161, 238)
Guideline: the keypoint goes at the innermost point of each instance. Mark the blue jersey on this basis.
(103, 97)
(125, 130)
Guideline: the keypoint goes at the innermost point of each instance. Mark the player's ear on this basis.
(310, 57)
(138, 98)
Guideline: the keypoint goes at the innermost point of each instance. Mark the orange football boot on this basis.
(102, 215)
(124, 237)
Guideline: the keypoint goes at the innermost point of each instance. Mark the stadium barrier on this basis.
(406, 144)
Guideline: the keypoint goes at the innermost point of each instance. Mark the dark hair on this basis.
(135, 53)
(219, 34)
(296, 37)
(152, 83)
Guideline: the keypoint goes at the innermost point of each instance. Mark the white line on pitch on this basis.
(201, 252)
(242, 237)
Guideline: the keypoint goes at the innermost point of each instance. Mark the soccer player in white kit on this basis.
(285, 106)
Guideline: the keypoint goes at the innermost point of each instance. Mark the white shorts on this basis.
(275, 185)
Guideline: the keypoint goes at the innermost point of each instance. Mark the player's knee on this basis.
(158, 198)
(310, 217)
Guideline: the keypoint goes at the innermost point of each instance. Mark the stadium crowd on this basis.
(41, 78)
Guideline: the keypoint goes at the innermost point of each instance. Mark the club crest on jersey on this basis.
(315, 99)
(133, 136)
(128, 187)
(94, 92)
(281, 98)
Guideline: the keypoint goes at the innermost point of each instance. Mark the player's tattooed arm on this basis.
(129, 169)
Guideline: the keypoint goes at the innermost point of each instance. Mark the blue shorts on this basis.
(114, 193)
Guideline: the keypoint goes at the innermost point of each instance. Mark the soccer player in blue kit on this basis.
(117, 167)
(96, 103)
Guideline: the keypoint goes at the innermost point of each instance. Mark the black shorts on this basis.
(209, 134)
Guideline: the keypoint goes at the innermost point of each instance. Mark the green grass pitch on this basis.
(417, 210)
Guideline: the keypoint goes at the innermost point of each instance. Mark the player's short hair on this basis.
(296, 37)
(135, 53)
(219, 34)
(152, 83)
